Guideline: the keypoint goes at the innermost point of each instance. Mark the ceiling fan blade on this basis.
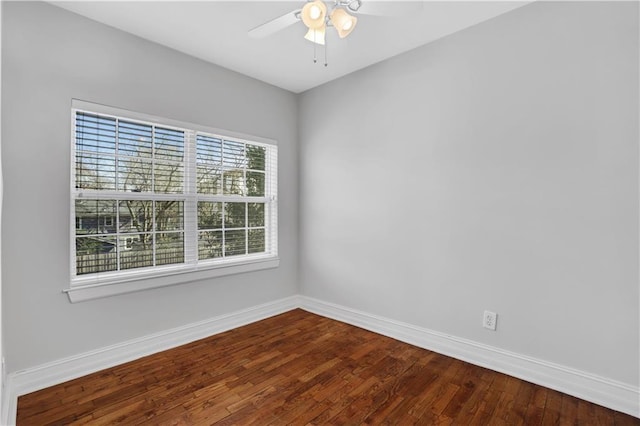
(390, 8)
(275, 25)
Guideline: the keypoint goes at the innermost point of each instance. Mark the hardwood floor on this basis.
(298, 368)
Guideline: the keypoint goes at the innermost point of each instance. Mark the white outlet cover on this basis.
(489, 320)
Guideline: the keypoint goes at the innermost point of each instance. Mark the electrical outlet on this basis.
(489, 320)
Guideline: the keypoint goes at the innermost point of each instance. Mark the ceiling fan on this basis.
(340, 14)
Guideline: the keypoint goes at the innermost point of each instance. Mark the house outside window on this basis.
(153, 197)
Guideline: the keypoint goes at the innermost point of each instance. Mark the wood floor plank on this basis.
(302, 369)
(552, 409)
(535, 409)
(488, 405)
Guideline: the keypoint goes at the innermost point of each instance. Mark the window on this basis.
(153, 198)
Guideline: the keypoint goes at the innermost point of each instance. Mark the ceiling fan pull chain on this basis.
(315, 58)
(325, 53)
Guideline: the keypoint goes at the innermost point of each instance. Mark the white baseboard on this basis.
(9, 404)
(52, 373)
(608, 393)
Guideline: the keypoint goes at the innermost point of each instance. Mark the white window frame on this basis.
(91, 286)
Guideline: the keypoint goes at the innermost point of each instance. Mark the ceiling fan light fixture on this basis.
(313, 14)
(343, 22)
(316, 35)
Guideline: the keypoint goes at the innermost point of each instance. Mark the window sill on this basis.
(81, 293)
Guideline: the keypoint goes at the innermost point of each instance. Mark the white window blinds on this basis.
(156, 197)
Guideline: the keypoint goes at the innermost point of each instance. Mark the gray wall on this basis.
(494, 169)
(50, 56)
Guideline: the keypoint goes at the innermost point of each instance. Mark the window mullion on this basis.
(154, 239)
(118, 234)
(223, 230)
(246, 226)
(245, 193)
(117, 200)
(132, 196)
(191, 199)
(116, 162)
(153, 159)
(271, 219)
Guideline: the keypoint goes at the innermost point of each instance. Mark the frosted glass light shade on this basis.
(313, 14)
(316, 35)
(343, 22)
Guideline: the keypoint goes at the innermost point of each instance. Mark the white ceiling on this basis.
(216, 31)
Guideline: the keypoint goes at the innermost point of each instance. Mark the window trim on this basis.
(105, 289)
(90, 287)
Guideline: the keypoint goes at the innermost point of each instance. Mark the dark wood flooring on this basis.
(298, 368)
